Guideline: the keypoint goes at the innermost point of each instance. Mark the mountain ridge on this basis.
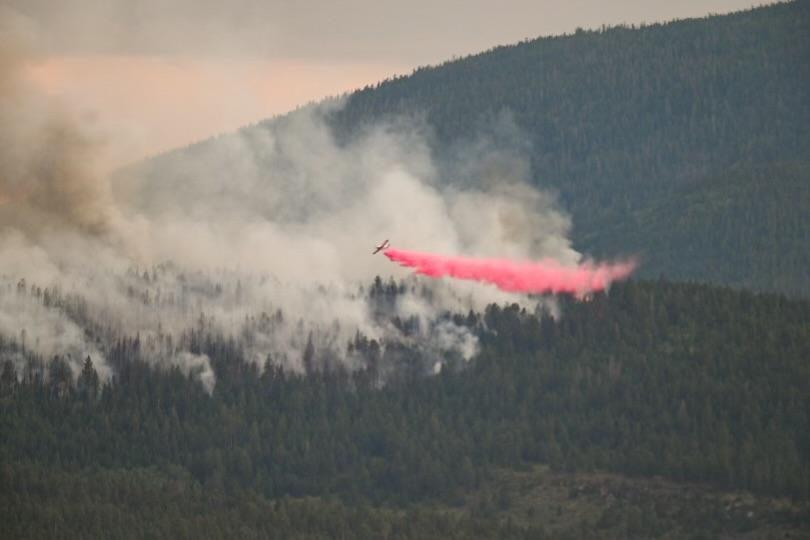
(633, 128)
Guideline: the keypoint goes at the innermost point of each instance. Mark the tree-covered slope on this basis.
(686, 381)
(744, 227)
(685, 144)
(641, 131)
(644, 131)
(692, 383)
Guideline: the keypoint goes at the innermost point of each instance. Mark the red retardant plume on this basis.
(547, 276)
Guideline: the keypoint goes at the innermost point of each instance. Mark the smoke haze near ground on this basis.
(264, 235)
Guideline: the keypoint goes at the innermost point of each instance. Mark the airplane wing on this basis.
(381, 247)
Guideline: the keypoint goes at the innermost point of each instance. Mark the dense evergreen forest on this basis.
(655, 379)
(684, 143)
(205, 407)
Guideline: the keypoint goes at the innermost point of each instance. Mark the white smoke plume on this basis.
(264, 235)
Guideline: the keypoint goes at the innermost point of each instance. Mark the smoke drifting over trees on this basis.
(265, 238)
(206, 337)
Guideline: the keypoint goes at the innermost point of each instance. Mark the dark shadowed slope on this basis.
(653, 136)
(704, 386)
(684, 143)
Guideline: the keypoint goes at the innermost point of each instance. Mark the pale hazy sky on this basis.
(155, 74)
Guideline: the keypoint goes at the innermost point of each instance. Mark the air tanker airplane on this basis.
(381, 247)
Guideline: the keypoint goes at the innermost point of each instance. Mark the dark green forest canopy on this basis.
(689, 382)
(652, 136)
(685, 144)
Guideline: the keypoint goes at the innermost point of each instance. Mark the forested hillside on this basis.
(208, 397)
(685, 143)
(689, 382)
(652, 136)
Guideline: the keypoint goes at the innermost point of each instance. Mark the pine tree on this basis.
(88, 382)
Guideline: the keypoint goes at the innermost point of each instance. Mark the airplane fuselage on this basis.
(381, 247)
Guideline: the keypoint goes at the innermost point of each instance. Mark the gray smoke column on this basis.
(47, 177)
(47, 190)
(263, 235)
